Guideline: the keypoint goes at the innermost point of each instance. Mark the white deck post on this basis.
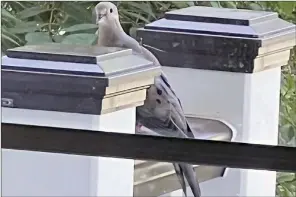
(250, 104)
(226, 64)
(99, 91)
(27, 173)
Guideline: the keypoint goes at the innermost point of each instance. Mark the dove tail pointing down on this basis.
(190, 176)
(186, 171)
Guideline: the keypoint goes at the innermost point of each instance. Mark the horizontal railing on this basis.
(165, 149)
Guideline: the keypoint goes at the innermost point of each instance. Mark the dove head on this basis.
(106, 12)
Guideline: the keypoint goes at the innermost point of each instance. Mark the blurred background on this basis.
(36, 22)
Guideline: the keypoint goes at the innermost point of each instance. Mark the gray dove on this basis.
(162, 112)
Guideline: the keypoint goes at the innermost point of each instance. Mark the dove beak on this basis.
(102, 14)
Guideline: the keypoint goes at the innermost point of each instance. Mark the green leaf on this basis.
(77, 11)
(164, 6)
(292, 142)
(38, 38)
(19, 4)
(255, 6)
(7, 37)
(215, 4)
(80, 27)
(287, 132)
(228, 4)
(80, 39)
(58, 38)
(287, 192)
(142, 7)
(287, 6)
(137, 16)
(284, 177)
(25, 27)
(11, 35)
(180, 4)
(29, 12)
(263, 4)
(8, 16)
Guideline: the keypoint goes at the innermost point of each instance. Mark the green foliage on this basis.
(34, 22)
(46, 22)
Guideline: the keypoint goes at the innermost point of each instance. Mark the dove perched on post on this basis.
(162, 112)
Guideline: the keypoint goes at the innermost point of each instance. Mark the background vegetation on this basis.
(71, 22)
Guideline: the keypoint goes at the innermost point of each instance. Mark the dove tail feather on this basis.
(190, 176)
(180, 176)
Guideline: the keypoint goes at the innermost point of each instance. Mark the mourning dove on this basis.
(162, 112)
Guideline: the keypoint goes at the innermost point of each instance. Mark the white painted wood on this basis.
(0, 137)
(247, 102)
(28, 173)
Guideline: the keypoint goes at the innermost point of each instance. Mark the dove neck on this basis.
(118, 30)
(109, 34)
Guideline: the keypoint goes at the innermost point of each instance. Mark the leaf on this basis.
(58, 38)
(180, 4)
(163, 6)
(6, 15)
(255, 6)
(25, 27)
(3, 36)
(190, 3)
(80, 39)
(142, 7)
(292, 142)
(29, 12)
(80, 27)
(228, 4)
(38, 38)
(19, 4)
(263, 4)
(11, 35)
(285, 177)
(215, 4)
(287, 6)
(77, 11)
(287, 132)
(287, 192)
(138, 16)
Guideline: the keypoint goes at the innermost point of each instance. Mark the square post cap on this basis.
(73, 78)
(221, 39)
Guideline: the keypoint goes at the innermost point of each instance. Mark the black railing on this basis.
(168, 149)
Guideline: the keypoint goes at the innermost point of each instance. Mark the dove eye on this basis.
(111, 10)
